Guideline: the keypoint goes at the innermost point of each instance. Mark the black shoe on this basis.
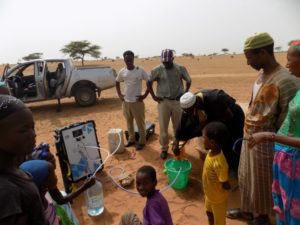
(163, 154)
(238, 214)
(58, 109)
(129, 144)
(260, 220)
(139, 146)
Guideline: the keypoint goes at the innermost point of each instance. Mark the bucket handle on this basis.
(173, 182)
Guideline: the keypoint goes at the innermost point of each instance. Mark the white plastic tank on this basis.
(115, 135)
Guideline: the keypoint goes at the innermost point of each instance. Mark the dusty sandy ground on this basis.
(224, 72)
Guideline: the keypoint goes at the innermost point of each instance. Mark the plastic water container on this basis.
(172, 168)
(114, 139)
(94, 199)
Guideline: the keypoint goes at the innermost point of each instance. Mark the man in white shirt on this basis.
(133, 105)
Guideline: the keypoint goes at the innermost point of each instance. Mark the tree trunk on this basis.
(82, 62)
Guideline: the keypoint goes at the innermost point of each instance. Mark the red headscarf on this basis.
(296, 44)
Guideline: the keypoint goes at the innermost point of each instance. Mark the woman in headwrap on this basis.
(286, 164)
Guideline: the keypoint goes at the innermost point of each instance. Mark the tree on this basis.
(79, 49)
(278, 48)
(225, 50)
(188, 55)
(36, 55)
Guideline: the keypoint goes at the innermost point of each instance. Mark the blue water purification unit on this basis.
(78, 152)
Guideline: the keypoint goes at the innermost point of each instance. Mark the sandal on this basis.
(126, 179)
(238, 214)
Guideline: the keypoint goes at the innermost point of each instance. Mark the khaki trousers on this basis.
(135, 110)
(168, 109)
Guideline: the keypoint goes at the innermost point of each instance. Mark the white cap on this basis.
(187, 100)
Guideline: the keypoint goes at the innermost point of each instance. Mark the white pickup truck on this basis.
(31, 81)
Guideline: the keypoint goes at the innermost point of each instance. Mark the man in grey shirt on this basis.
(169, 89)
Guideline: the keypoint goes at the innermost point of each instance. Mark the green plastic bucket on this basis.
(172, 168)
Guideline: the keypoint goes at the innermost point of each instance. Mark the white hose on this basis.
(108, 154)
(135, 192)
(112, 178)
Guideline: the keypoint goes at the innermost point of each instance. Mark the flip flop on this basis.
(238, 214)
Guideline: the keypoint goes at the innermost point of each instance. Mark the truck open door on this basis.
(44, 83)
(6, 68)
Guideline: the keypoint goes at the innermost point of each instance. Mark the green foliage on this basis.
(278, 48)
(188, 55)
(36, 55)
(79, 49)
(225, 50)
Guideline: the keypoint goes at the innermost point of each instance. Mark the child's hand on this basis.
(226, 185)
(175, 148)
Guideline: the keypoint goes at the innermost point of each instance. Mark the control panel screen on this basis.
(77, 133)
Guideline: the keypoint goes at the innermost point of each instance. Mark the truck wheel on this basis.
(85, 96)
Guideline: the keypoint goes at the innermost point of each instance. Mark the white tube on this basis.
(109, 172)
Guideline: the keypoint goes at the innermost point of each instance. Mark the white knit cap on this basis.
(187, 100)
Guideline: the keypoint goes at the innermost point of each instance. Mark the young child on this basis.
(156, 211)
(215, 173)
(42, 152)
(20, 199)
(43, 175)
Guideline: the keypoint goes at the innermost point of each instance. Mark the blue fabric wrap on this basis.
(38, 169)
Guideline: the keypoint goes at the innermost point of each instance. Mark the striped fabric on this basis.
(255, 178)
(50, 214)
(167, 55)
(266, 112)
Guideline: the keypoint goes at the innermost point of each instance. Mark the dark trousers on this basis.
(236, 130)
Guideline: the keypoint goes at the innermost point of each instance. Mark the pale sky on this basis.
(144, 26)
